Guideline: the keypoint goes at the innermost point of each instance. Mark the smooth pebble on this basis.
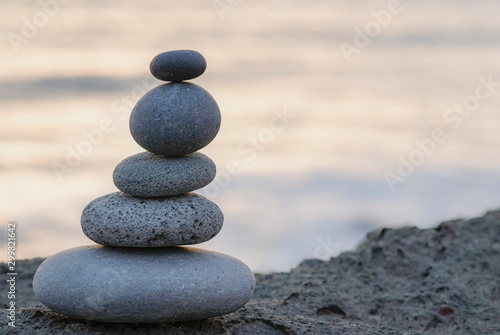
(175, 119)
(178, 65)
(150, 175)
(134, 285)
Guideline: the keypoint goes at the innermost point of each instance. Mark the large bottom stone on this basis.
(136, 285)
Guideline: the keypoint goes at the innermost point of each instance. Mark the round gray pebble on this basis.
(121, 220)
(178, 65)
(150, 175)
(134, 285)
(175, 119)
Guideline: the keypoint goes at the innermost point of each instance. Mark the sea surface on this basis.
(339, 117)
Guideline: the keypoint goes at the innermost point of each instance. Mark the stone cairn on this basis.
(139, 273)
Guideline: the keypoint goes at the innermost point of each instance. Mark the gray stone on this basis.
(150, 175)
(121, 220)
(142, 285)
(178, 65)
(175, 119)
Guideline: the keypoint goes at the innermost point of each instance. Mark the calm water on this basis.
(312, 187)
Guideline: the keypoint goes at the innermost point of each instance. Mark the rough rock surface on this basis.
(399, 281)
(121, 220)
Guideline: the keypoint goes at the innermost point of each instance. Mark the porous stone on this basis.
(178, 65)
(142, 285)
(175, 119)
(150, 175)
(121, 220)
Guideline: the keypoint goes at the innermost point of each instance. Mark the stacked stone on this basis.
(138, 273)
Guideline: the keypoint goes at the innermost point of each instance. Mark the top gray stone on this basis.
(178, 65)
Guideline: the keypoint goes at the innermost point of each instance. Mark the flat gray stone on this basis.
(150, 175)
(175, 119)
(178, 65)
(121, 220)
(142, 285)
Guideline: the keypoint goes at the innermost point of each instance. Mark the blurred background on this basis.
(355, 84)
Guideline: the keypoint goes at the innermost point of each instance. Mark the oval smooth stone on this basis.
(121, 220)
(142, 285)
(178, 65)
(150, 175)
(175, 119)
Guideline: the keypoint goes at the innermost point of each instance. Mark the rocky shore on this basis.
(443, 281)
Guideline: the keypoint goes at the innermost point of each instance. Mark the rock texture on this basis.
(121, 220)
(408, 281)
